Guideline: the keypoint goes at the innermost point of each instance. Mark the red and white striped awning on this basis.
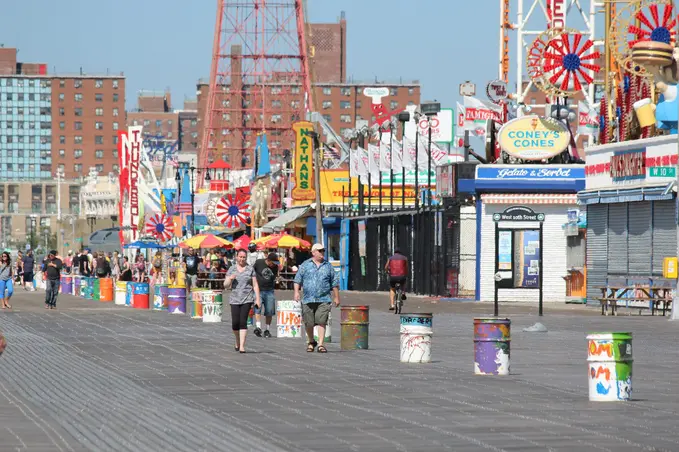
(530, 198)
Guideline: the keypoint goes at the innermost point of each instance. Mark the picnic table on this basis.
(611, 295)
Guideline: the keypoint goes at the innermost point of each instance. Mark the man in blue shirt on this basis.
(318, 279)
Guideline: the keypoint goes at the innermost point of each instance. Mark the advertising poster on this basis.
(304, 169)
(505, 250)
(527, 255)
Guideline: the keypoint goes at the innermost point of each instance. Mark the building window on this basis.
(61, 167)
(159, 123)
(276, 104)
(78, 168)
(62, 125)
(78, 97)
(98, 83)
(99, 125)
(327, 118)
(345, 91)
(77, 83)
(115, 126)
(327, 91)
(62, 153)
(78, 125)
(393, 91)
(194, 123)
(61, 97)
(99, 167)
(115, 139)
(78, 111)
(115, 84)
(62, 83)
(77, 153)
(99, 112)
(411, 91)
(99, 97)
(115, 153)
(115, 167)
(99, 139)
(327, 104)
(393, 105)
(226, 117)
(78, 139)
(276, 118)
(99, 154)
(20, 97)
(147, 122)
(226, 132)
(169, 134)
(345, 105)
(294, 90)
(115, 97)
(115, 112)
(62, 139)
(345, 118)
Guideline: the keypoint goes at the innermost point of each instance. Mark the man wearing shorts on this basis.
(318, 280)
(266, 271)
(191, 269)
(397, 268)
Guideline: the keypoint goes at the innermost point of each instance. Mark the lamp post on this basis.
(403, 117)
(33, 223)
(429, 109)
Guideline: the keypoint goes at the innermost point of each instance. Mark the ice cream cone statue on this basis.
(660, 59)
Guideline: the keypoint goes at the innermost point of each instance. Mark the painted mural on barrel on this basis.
(491, 346)
(416, 332)
(609, 365)
(354, 327)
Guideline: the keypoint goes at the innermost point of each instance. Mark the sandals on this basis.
(311, 346)
(322, 349)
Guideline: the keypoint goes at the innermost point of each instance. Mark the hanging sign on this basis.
(518, 213)
(129, 153)
(496, 91)
(534, 138)
(304, 165)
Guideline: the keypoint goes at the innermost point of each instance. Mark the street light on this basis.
(403, 117)
(429, 109)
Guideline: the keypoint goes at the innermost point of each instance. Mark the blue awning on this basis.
(650, 193)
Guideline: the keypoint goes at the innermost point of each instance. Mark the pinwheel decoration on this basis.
(160, 226)
(567, 60)
(653, 28)
(232, 211)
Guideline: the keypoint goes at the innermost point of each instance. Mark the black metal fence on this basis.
(430, 239)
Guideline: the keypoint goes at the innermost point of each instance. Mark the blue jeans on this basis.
(268, 302)
(6, 286)
(52, 290)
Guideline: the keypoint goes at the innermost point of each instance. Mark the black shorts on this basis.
(393, 280)
(28, 277)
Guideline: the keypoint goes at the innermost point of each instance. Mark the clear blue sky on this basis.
(168, 43)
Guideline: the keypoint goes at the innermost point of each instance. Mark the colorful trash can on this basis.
(416, 332)
(289, 318)
(66, 284)
(354, 327)
(160, 297)
(609, 365)
(129, 292)
(140, 295)
(76, 285)
(176, 300)
(96, 282)
(89, 282)
(121, 293)
(491, 346)
(196, 306)
(212, 306)
(105, 289)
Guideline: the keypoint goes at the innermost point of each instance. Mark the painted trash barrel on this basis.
(491, 346)
(89, 284)
(288, 318)
(416, 332)
(140, 295)
(105, 289)
(129, 291)
(66, 284)
(609, 365)
(196, 306)
(95, 288)
(354, 327)
(160, 297)
(176, 300)
(121, 293)
(213, 306)
(76, 285)
(328, 330)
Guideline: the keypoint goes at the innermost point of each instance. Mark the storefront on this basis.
(549, 191)
(631, 224)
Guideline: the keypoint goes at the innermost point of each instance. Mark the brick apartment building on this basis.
(47, 123)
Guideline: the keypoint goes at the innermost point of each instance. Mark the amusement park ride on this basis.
(569, 60)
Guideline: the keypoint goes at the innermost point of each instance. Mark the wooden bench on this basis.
(655, 296)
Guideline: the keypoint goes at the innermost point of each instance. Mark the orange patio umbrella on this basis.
(205, 241)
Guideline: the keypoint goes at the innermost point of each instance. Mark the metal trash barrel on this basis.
(176, 300)
(289, 318)
(86, 291)
(354, 327)
(76, 285)
(491, 346)
(160, 297)
(95, 288)
(212, 306)
(121, 290)
(66, 284)
(128, 294)
(140, 295)
(105, 289)
(609, 365)
(196, 306)
(416, 333)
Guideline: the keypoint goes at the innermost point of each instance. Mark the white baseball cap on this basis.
(317, 247)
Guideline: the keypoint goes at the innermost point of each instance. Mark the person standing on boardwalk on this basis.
(6, 281)
(242, 281)
(53, 266)
(29, 270)
(266, 271)
(318, 280)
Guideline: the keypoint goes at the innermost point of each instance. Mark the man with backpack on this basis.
(397, 268)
